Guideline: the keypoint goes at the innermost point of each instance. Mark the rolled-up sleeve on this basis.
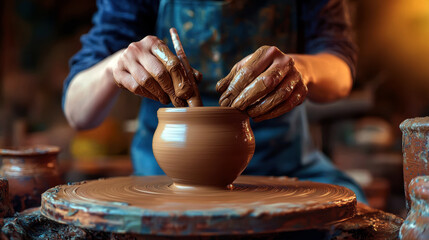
(327, 28)
(115, 25)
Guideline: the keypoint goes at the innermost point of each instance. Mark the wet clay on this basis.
(203, 146)
(266, 85)
(151, 205)
(243, 76)
(275, 98)
(416, 224)
(415, 150)
(195, 100)
(259, 88)
(30, 171)
(182, 87)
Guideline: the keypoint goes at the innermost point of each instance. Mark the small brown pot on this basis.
(203, 146)
(30, 171)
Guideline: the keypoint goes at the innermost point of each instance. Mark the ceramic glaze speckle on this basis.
(415, 149)
(151, 205)
(416, 224)
(203, 146)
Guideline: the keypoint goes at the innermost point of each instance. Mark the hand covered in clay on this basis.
(265, 84)
(148, 68)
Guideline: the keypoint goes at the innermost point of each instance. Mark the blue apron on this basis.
(215, 36)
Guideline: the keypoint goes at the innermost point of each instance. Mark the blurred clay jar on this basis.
(203, 146)
(30, 171)
(415, 150)
(415, 225)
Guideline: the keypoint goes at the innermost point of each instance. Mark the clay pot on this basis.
(415, 225)
(30, 171)
(203, 146)
(6, 209)
(415, 150)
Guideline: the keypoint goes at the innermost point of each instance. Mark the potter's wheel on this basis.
(150, 205)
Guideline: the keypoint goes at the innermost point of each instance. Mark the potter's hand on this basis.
(265, 84)
(149, 69)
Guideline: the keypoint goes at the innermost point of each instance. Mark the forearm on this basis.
(91, 95)
(327, 76)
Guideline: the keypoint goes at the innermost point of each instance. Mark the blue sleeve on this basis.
(116, 25)
(327, 28)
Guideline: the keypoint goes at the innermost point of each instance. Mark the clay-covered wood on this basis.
(366, 224)
(150, 205)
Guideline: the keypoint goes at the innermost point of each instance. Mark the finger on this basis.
(296, 98)
(278, 95)
(261, 86)
(178, 102)
(195, 99)
(256, 64)
(183, 59)
(126, 80)
(223, 84)
(118, 75)
(144, 79)
(141, 91)
(182, 86)
(152, 86)
(198, 76)
(162, 77)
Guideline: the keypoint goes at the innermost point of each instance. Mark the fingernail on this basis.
(240, 103)
(222, 97)
(236, 104)
(218, 86)
(177, 102)
(225, 102)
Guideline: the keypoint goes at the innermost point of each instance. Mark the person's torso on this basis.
(216, 35)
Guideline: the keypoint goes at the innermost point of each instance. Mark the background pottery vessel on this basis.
(415, 150)
(416, 224)
(30, 171)
(6, 209)
(203, 146)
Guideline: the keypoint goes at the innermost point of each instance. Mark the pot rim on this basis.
(200, 112)
(199, 109)
(26, 151)
(209, 114)
(415, 124)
